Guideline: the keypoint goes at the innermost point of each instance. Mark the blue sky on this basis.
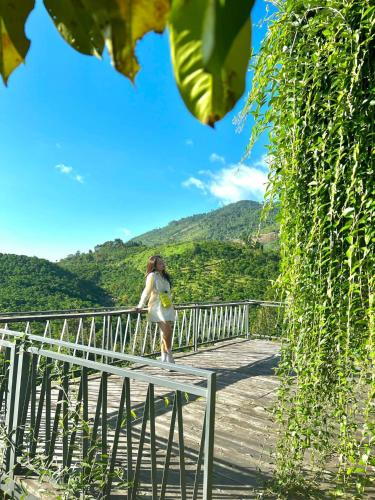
(87, 157)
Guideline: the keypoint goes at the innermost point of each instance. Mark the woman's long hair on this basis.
(151, 267)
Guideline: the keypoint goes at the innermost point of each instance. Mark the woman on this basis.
(160, 308)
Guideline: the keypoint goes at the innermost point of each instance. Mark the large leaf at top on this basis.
(76, 25)
(212, 80)
(86, 24)
(124, 22)
(223, 21)
(13, 42)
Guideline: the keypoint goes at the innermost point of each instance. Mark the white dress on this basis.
(155, 283)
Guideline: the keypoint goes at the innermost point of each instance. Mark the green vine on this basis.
(313, 91)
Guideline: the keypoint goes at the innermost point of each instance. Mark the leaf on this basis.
(124, 23)
(76, 25)
(218, 33)
(208, 94)
(87, 24)
(13, 42)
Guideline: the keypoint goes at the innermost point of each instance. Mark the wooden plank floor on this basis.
(244, 433)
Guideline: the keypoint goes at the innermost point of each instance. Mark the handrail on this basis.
(89, 313)
(130, 331)
(199, 372)
(121, 372)
(124, 307)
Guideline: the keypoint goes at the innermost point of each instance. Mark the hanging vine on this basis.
(313, 91)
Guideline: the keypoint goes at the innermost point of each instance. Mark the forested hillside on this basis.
(237, 221)
(210, 256)
(29, 283)
(201, 271)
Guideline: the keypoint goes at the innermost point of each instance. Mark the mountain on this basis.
(201, 271)
(29, 283)
(235, 222)
(211, 257)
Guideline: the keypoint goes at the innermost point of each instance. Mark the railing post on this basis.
(18, 399)
(209, 437)
(247, 332)
(195, 326)
(12, 382)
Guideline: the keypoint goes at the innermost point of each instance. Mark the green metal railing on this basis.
(125, 331)
(59, 412)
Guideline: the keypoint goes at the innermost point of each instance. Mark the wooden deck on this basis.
(244, 433)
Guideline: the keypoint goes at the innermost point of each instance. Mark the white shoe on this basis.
(169, 357)
(163, 357)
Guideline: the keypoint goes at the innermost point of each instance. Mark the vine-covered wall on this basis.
(316, 71)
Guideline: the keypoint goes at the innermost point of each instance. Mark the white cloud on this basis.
(232, 183)
(215, 157)
(79, 178)
(238, 182)
(189, 142)
(64, 169)
(193, 181)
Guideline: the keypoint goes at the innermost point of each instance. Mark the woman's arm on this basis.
(147, 290)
